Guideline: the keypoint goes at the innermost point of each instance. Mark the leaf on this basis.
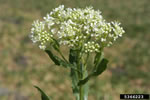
(56, 59)
(56, 45)
(56, 42)
(98, 57)
(73, 56)
(43, 95)
(75, 79)
(82, 82)
(101, 67)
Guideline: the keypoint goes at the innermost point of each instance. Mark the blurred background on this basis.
(23, 64)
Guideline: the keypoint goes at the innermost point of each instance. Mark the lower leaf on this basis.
(43, 95)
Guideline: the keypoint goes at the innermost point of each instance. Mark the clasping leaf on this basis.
(100, 68)
(56, 59)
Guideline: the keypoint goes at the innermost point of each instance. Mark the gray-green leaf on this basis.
(56, 59)
(43, 95)
(101, 67)
(73, 56)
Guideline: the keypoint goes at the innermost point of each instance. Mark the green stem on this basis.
(86, 60)
(80, 91)
(81, 94)
(83, 89)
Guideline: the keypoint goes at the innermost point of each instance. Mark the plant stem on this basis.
(83, 89)
(81, 93)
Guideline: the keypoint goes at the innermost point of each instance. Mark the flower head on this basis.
(76, 28)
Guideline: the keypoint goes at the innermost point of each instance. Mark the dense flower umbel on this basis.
(77, 28)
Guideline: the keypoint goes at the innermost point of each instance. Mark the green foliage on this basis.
(56, 59)
(73, 56)
(101, 67)
(75, 79)
(43, 95)
(73, 73)
(98, 57)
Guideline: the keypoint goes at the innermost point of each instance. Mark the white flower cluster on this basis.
(77, 28)
(40, 35)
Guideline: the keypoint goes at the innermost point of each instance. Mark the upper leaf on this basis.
(98, 57)
(56, 59)
(53, 57)
(101, 67)
(73, 56)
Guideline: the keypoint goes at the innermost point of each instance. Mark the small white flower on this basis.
(54, 30)
(102, 39)
(75, 28)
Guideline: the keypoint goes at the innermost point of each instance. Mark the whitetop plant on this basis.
(84, 31)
